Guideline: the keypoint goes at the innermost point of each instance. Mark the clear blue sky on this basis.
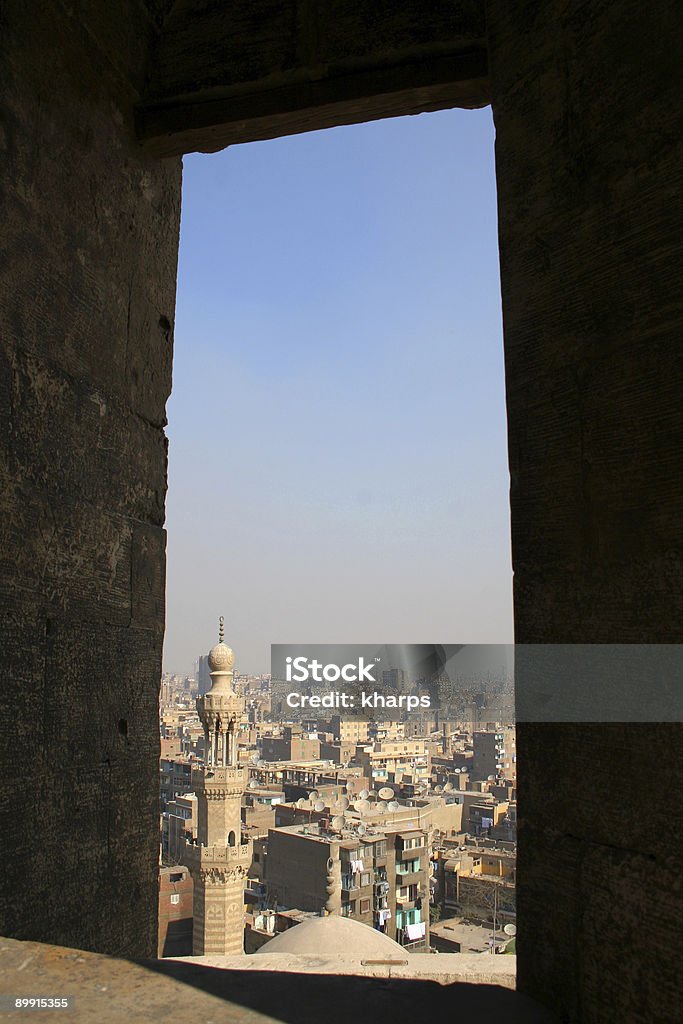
(337, 466)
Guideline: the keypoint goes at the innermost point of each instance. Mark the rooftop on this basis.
(288, 988)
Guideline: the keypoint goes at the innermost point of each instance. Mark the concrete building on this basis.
(293, 744)
(298, 778)
(203, 675)
(346, 730)
(379, 878)
(495, 753)
(340, 753)
(178, 823)
(219, 860)
(175, 911)
(395, 679)
(258, 810)
(476, 879)
(392, 761)
(175, 778)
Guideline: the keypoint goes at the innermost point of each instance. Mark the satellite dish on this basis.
(344, 802)
(338, 822)
(362, 806)
(438, 789)
(393, 806)
(313, 795)
(457, 770)
(386, 793)
(491, 778)
(448, 788)
(319, 805)
(301, 802)
(362, 829)
(510, 929)
(253, 784)
(349, 787)
(364, 794)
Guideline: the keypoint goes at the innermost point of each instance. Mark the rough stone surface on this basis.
(587, 105)
(87, 291)
(227, 73)
(260, 990)
(443, 968)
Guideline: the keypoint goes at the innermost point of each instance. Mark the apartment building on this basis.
(495, 754)
(379, 878)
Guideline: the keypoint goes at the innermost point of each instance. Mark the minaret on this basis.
(219, 861)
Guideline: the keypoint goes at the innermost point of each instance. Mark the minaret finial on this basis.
(221, 631)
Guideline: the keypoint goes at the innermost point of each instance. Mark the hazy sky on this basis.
(337, 466)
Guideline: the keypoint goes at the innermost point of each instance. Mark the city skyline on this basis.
(286, 835)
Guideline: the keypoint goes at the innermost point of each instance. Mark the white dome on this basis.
(333, 936)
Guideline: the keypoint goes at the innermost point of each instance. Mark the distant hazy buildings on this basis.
(276, 816)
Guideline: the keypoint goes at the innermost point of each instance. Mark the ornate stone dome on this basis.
(221, 658)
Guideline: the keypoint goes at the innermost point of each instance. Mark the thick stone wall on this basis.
(587, 108)
(586, 100)
(87, 284)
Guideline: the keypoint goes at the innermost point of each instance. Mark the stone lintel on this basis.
(224, 74)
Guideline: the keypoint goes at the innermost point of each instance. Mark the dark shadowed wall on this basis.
(587, 105)
(87, 284)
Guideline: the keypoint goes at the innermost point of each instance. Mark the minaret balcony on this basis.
(218, 775)
(196, 856)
